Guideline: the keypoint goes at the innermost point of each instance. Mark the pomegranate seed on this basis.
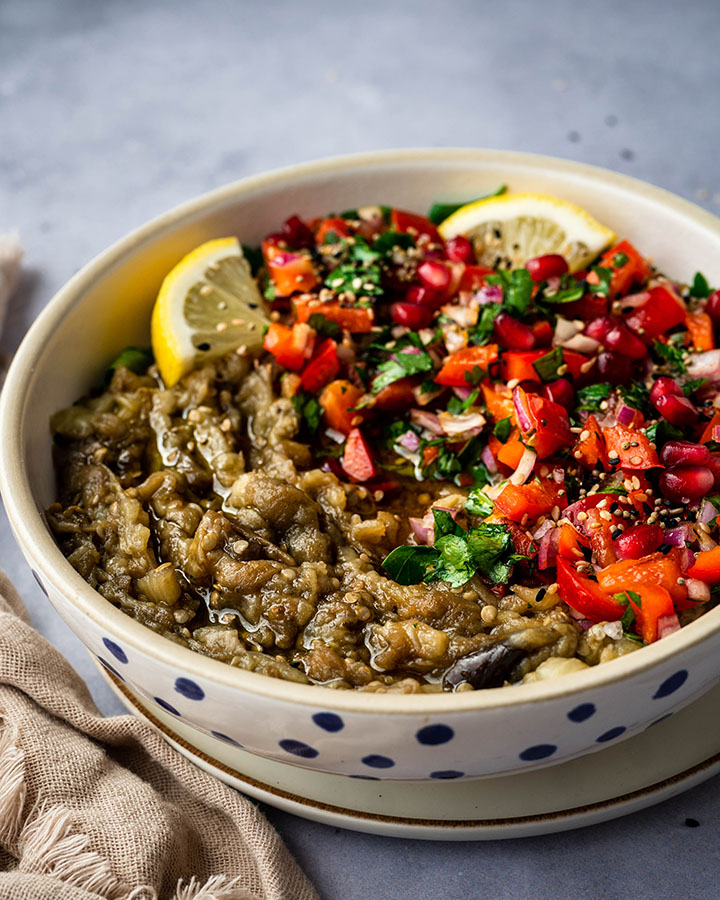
(622, 340)
(276, 240)
(434, 274)
(639, 541)
(560, 391)
(714, 465)
(683, 453)
(681, 484)
(676, 410)
(712, 306)
(600, 327)
(423, 296)
(543, 267)
(614, 368)
(459, 249)
(411, 315)
(664, 385)
(297, 233)
(513, 334)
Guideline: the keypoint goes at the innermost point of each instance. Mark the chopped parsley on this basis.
(137, 359)
(456, 555)
(671, 354)
(502, 429)
(661, 432)
(620, 259)
(440, 211)
(309, 410)
(604, 276)
(517, 290)
(700, 286)
(637, 395)
(478, 503)
(694, 385)
(592, 395)
(547, 366)
(568, 290)
(411, 361)
(359, 273)
(482, 332)
(323, 326)
(391, 239)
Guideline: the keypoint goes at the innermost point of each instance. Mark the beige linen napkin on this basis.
(103, 808)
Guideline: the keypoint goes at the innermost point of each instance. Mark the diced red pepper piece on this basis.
(590, 449)
(518, 364)
(338, 401)
(323, 367)
(662, 311)
(655, 602)
(629, 449)
(543, 333)
(655, 568)
(463, 362)
(534, 500)
(291, 347)
(430, 454)
(410, 223)
(599, 530)
(499, 401)
(587, 308)
(356, 319)
(289, 271)
(510, 452)
(397, 396)
(571, 543)
(710, 433)
(586, 596)
(473, 277)
(335, 225)
(549, 429)
(707, 566)
(634, 270)
(700, 331)
(357, 461)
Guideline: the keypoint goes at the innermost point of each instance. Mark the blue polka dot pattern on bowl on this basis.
(432, 735)
(375, 761)
(111, 669)
(298, 748)
(611, 734)
(671, 684)
(224, 737)
(168, 707)
(328, 721)
(582, 712)
(189, 689)
(116, 650)
(366, 777)
(447, 774)
(538, 751)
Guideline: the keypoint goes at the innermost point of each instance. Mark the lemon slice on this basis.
(508, 230)
(207, 305)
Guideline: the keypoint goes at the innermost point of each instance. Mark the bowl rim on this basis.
(35, 539)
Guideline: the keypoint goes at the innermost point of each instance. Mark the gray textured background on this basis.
(111, 112)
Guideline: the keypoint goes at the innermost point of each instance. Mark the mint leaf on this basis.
(591, 396)
(410, 565)
(401, 366)
(700, 286)
(547, 366)
(502, 429)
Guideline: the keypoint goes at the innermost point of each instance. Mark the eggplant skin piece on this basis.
(485, 668)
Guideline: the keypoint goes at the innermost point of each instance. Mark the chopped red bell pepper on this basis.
(655, 568)
(545, 424)
(509, 453)
(712, 430)
(473, 278)
(463, 362)
(662, 311)
(534, 499)
(289, 271)
(357, 460)
(590, 449)
(599, 530)
(629, 449)
(498, 401)
(543, 333)
(571, 543)
(518, 364)
(410, 223)
(701, 333)
(398, 396)
(655, 602)
(706, 566)
(628, 268)
(586, 596)
(356, 319)
(291, 347)
(323, 367)
(338, 401)
(334, 225)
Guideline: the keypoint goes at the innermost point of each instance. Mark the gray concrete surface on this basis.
(111, 112)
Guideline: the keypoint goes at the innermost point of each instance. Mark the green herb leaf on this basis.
(456, 564)
(502, 429)
(672, 355)
(137, 359)
(492, 550)
(691, 386)
(269, 292)
(478, 503)
(547, 366)
(440, 211)
(389, 239)
(661, 432)
(700, 286)
(359, 273)
(519, 292)
(475, 376)
(401, 366)
(568, 290)
(637, 395)
(604, 280)
(591, 396)
(309, 410)
(620, 259)
(445, 524)
(409, 565)
(323, 326)
(254, 257)
(614, 488)
(481, 332)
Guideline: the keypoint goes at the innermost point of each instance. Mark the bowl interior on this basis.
(107, 305)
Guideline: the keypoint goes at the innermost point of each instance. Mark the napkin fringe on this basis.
(13, 790)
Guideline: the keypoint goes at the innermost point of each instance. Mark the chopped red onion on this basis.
(677, 537)
(697, 590)
(687, 559)
(668, 625)
(489, 293)
(547, 549)
(424, 533)
(522, 416)
(581, 343)
(463, 392)
(487, 457)
(469, 423)
(558, 475)
(705, 365)
(625, 414)
(543, 529)
(524, 467)
(426, 419)
(410, 441)
(636, 300)
(707, 512)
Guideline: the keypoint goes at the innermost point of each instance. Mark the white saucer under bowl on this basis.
(666, 759)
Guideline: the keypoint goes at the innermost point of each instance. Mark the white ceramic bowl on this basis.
(107, 306)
